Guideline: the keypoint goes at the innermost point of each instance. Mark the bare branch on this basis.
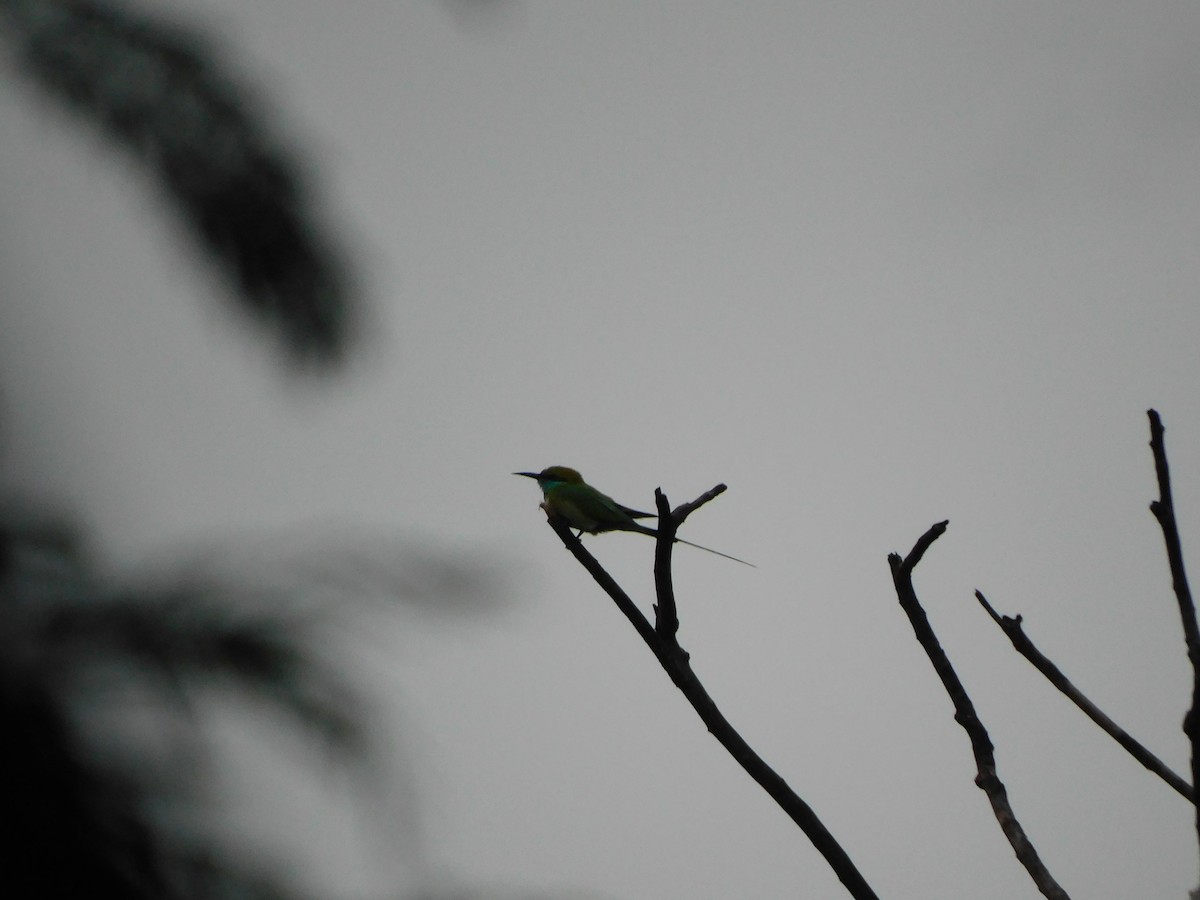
(606, 581)
(924, 542)
(1164, 511)
(987, 779)
(684, 510)
(1023, 645)
(663, 642)
(666, 620)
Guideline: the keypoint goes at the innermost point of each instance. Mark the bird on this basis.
(567, 495)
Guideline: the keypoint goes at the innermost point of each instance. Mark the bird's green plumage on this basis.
(567, 495)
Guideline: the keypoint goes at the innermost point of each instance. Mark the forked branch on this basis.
(964, 713)
(663, 642)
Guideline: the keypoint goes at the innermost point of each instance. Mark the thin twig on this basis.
(1011, 626)
(683, 510)
(663, 642)
(1164, 510)
(986, 778)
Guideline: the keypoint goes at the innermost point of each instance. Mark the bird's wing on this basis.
(635, 514)
(612, 515)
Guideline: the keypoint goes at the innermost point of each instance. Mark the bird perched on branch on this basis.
(567, 495)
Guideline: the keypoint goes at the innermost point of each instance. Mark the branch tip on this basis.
(684, 510)
(1011, 626)
(924, 542)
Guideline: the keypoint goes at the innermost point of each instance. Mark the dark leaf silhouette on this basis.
(79, 817)
(156, 91)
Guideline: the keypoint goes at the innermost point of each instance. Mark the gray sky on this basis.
(871, 265)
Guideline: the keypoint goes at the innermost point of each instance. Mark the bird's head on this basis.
(554, 475)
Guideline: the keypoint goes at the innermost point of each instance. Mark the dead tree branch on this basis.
(662, 640)
(1011, 626)
(1164, 511)
(964, 713)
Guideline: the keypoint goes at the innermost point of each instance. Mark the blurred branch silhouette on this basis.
(159, 92)
(1012, 626)
(662, 639)
(78, 816)
(987, 779)
(82, 816)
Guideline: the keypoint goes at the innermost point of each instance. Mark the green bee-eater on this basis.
(567, 495)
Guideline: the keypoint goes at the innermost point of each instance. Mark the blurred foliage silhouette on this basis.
(79, 817)
(159, 92)
(106, 689)
(84, 814)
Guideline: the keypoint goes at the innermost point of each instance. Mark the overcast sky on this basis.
(871, 265)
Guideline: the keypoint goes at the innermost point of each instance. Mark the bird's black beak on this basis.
(533, 475)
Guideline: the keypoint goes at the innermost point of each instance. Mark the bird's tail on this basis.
(650, 532)
(680, 540)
